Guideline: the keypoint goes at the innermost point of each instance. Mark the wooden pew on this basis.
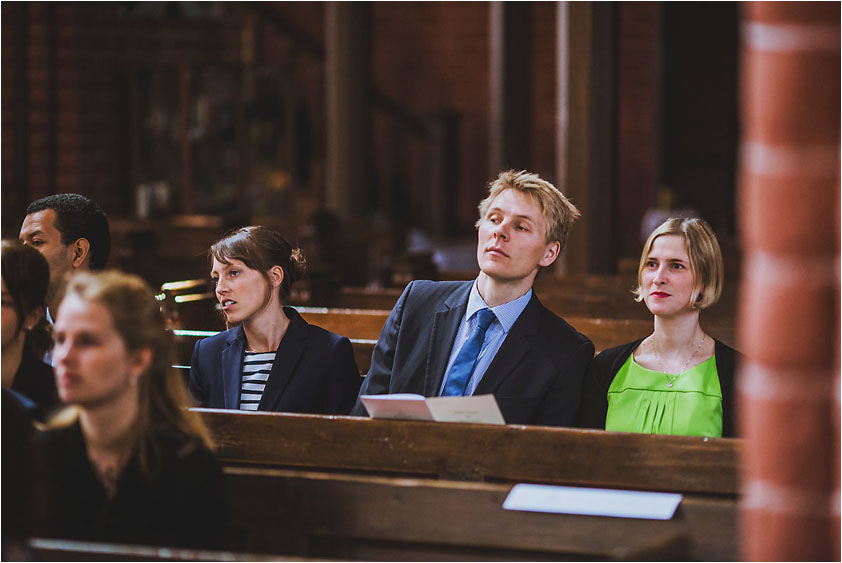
(47, 549)
(185, 340)
(477, 452)
(386, 455)
(317, 514)
(599, 296)
(363, 327)
(604, 332)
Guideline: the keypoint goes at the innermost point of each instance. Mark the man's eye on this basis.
(235, 273)
(37, 242)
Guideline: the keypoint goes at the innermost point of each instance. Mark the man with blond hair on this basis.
(492, 335)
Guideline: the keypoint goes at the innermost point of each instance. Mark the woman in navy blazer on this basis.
(273, 360)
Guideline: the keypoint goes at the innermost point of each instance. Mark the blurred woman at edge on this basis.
(26, 276)
(126, 462)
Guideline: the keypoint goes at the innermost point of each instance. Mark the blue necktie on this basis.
(466, 359)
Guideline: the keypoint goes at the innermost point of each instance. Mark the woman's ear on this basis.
(140, 362)
(31, 319)
(276, 276)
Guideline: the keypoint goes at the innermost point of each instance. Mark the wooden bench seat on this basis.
(361, 487)
(477, 452)
(185, 340)
(48, 549)
(363, 328)
(318, 514)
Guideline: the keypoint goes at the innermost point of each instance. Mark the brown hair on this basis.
(164, 402)
(702, 250)
(260, 248)
(559, 213)
(27, 276)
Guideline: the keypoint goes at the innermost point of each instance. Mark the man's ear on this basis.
(81, 251)
(551, 254)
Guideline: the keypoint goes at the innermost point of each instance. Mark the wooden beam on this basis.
(510, 81)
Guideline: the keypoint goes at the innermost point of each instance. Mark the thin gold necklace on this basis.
(671, 380)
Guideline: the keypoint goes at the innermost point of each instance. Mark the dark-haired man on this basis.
(72, 233)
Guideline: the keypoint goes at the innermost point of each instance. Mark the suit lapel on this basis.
(516, 345)
(445, 325)
(232, 362)
(290, 349)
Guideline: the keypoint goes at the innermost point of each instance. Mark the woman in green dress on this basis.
(678, 380)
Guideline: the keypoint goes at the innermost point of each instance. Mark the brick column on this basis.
(789, 311)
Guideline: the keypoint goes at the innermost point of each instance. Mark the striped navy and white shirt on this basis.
(256, 370)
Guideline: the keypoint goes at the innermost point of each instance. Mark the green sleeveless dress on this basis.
(639, 400)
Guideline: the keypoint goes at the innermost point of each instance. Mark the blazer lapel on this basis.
(232, 362)
(445, 325)
(290, 349)
(516, 345)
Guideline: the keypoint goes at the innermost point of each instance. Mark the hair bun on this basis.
(298, 263)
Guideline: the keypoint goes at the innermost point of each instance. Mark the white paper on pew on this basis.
(403, 406)
(407, 406)
(592, 502)
(481, 409)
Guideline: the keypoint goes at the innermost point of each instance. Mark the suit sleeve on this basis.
(560, 406)
(346, 377)
(197, 385)
(383, 357)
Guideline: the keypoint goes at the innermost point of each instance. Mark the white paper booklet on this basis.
(481, 409)
(592, 502)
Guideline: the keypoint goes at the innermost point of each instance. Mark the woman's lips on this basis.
(66, 379)
(659, 294)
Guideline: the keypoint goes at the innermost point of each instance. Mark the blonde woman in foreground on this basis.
(126, 462)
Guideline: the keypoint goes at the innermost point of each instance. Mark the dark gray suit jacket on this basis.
(536, 375)
(314, 371)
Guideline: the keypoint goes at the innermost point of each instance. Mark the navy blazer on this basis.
(536, 375)
(314, 371)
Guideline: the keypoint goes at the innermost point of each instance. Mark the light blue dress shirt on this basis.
(506, 316)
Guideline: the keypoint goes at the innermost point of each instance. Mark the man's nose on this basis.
(501, 231)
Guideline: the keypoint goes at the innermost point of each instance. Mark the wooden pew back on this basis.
(313, 514)
(476, 452)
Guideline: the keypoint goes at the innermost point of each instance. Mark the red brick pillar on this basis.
(789, 311)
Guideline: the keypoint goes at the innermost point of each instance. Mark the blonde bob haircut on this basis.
(558, 212)
(703, 251)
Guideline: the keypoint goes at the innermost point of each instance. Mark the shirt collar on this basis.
(507, 313)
